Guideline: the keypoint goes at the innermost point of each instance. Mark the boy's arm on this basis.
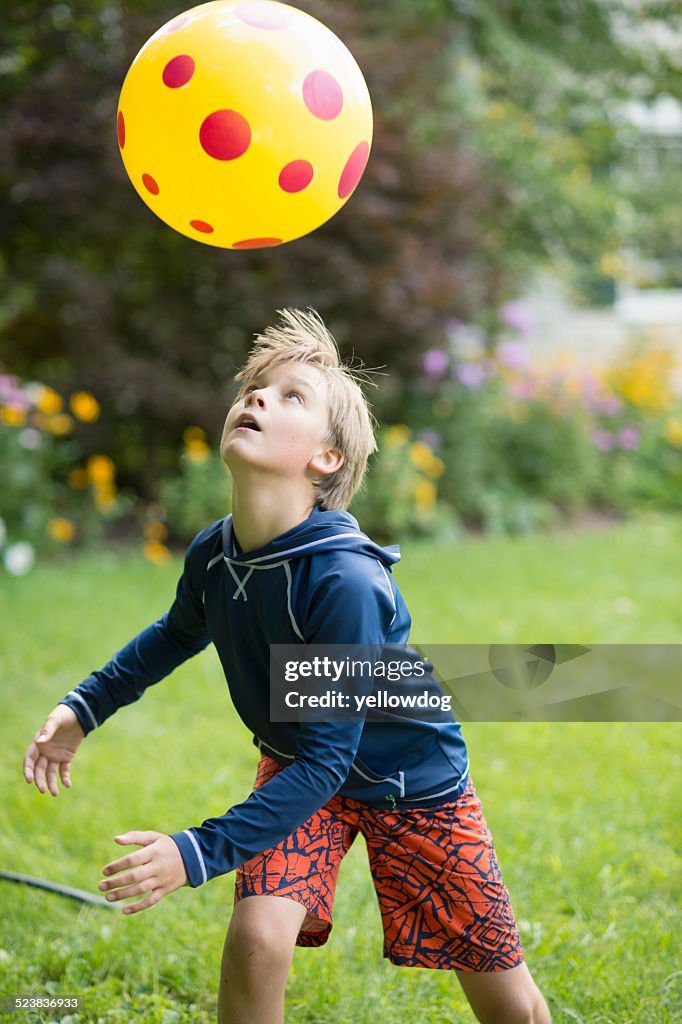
(178, 635)
(344, 611)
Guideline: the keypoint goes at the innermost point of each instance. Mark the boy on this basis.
(290, 566)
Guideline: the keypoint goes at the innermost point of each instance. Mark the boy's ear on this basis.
(326, 461)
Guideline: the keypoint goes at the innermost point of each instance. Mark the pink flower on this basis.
(523, 388)
(513, 354)
(519, 317)
(603, 440)
(430, 437)
(609, 405)
(471, 375)
(435, 362)
(628, 438)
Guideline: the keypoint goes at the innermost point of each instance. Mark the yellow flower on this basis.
(104, 497)
(436, 467)
(13, 415)
(673, 433)
(397, 435)
(48, 401)
(85, 406)
(156, 552)
(193, 434)
(59, 425)
(424, 495)
(156, 531)
(79, 479)
(61, 529)
(197, 451)
(420, 455)
(101, 470)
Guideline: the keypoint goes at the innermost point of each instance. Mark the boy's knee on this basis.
(258, 944)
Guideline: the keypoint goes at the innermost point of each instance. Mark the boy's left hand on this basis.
(156, 870)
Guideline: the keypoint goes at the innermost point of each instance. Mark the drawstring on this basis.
(241, 584)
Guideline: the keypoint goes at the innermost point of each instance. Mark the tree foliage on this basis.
(492, 149)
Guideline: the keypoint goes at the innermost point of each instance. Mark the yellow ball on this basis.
(244, 124)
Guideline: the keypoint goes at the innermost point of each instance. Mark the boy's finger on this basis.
(40, 767)
(132, 860)
(65, 773)
(52, 769)
(141, 887)
(144, 904)
(29, 762)
(136, 838)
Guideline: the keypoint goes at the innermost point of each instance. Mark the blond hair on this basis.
(301, 336)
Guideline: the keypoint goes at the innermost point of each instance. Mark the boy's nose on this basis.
(254, 396)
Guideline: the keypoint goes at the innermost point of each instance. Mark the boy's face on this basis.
(289, 405)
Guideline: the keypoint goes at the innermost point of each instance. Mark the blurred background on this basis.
(511, 262)
(511, 266)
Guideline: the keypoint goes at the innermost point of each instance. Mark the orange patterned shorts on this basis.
(442, 899)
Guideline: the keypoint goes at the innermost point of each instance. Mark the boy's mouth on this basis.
(248, 422)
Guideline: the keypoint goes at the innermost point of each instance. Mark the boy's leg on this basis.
(444, 905)
(504, 997)
(257, 956)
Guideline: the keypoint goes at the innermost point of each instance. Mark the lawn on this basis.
(585, 816)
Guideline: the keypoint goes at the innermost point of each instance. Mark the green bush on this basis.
(51, 495)
(199, 493)
(400, 496)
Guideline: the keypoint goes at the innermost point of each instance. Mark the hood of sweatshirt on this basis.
(322, 531)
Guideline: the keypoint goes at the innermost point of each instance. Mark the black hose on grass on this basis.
(63, 890)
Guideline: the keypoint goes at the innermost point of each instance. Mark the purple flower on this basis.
(519, 317)
(603, 440)
(609, 405)
(10, 391)
(435, 362)
(430, 437)
(513, 354)
(628, 438)
(471, 375)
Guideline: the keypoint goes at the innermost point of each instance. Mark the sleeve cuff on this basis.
(195, 866)
(82, 711)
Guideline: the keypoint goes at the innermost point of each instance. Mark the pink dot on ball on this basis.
(260, 15)
(256, 243)
(322, 95)
(178, 71)
(121, 129)
(354, 169)
(150, 184)
(225, 135)
(201, 225)
(296, 176)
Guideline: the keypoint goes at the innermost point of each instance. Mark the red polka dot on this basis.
(178, 23)
(256, 243)
(201, 225)
(225, 135)
(296, 176)
(260, 15)
(178, 71)
(121, 129)
(322, 95)
(150, 184)
(354, 169)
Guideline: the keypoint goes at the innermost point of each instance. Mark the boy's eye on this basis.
(296, 393)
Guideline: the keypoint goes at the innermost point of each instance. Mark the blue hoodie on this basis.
(322, 582)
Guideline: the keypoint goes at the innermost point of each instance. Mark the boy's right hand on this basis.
(53, 749)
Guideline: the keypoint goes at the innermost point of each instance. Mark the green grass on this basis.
(585, 817)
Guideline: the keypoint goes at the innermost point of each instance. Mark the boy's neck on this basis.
(259, 516)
